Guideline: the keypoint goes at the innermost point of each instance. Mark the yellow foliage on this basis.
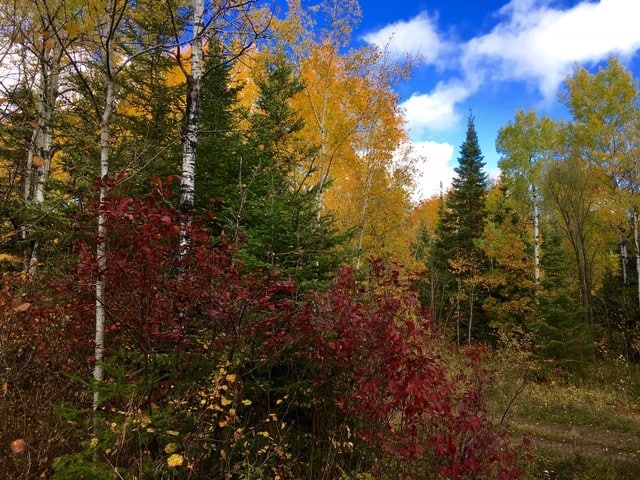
(175, 460)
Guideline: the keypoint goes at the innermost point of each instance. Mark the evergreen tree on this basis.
(249, 176)
(456, 258)
(220, 141)
(284, 230)
(465, 213)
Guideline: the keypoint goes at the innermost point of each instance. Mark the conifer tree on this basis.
(258, 205)
(456, 258)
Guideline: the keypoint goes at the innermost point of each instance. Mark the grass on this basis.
(583, 426)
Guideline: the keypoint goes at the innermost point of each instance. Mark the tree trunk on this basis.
(101, 247)
(636, 241)
(40, 151)
(624, 258)
(190, 141)
(536, 234)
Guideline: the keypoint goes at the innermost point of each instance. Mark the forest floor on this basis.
(581, 427)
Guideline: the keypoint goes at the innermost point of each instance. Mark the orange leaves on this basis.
(37, 161)
(18, 446)
(22, 307)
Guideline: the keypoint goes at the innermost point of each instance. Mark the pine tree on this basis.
(456, 258)
(220, 140)
(248, 172)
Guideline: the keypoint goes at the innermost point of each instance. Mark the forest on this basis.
(211, 266)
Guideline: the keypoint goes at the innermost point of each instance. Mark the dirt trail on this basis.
(588, 442)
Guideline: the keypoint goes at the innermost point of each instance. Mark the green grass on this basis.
(583, 426)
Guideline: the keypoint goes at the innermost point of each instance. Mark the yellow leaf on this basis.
(246, 403)
(171, 448)
(175, 460)
(224, 401)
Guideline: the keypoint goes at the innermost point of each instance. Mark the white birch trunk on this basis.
(40, 151)
(636, 240)
(101, 248)
(624, 258)
(190, 142)
(536, 234)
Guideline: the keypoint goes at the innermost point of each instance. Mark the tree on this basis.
(509, 279)
(315, 51)
(573, 188)
(42, 31)
(606, 125)
(525, 144)
(456, 256)
(236, 31)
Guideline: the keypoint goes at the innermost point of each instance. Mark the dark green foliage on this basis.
(221, 163)
(456, 259)
(563, 340)
(248, 178)
(463, 222)
(619, 316)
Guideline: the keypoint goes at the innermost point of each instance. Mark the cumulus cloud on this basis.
(538, 43)
(435, 110)
(418, 37)
(532, 42)
(432, 168)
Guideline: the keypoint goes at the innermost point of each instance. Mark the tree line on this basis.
(551, 248)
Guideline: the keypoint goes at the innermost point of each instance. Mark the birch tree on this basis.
(235, 27)
(574, 189)
(324, 71)
(103, 55)
(42, 31)
(606, 130)
(524, 145)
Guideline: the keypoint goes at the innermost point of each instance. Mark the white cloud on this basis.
(532, 42)
(418, 37)
(539, 43)
(435, 110)
(432, 168)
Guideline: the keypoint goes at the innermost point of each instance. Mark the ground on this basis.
(583, 426)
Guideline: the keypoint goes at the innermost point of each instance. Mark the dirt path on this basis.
(588, 442)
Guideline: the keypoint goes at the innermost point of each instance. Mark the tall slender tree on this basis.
(524, 145)
(456, 257)
(606, 127)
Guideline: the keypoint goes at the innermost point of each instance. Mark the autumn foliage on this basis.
(214, 371)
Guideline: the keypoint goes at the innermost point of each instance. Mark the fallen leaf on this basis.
(22, 308)
(18, 445)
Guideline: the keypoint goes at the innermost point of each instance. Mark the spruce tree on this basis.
(456, 259)
(284, 230)
(220, 141)
(246, 176)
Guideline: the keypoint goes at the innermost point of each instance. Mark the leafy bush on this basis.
(216, 372)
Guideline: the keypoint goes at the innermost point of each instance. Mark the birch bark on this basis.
(190, 142)
(114, 14)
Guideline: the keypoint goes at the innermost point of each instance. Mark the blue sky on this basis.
(493, 57)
